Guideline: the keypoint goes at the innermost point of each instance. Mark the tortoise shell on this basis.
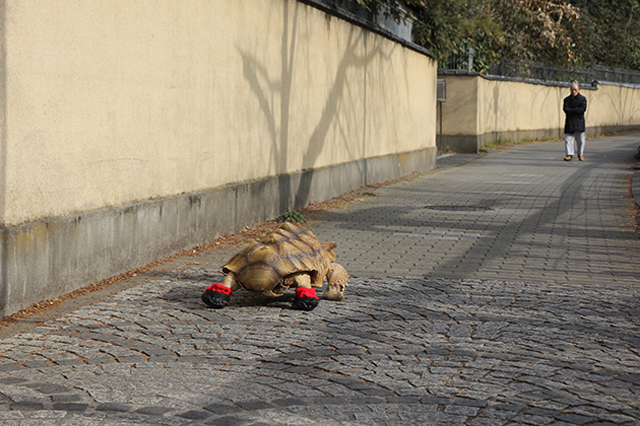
(288, 250)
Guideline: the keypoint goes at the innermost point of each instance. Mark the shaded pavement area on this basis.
(499, 289)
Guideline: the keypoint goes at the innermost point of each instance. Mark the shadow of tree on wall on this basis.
(279, 117)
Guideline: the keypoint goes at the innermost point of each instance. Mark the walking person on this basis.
(574, 107)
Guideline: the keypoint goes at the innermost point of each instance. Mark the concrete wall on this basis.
(132, 130)
(482, 109)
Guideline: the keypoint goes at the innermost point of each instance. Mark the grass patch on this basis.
(290, 216)
(507, 143)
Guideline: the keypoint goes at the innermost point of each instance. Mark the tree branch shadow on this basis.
(278, 115)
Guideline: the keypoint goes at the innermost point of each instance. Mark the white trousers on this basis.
(569, 142)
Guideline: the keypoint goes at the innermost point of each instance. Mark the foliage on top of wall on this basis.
(565, 33)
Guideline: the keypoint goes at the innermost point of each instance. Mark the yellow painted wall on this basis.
(108, 102)
(462, 102)
(507, 106)
(613, 104)
(408, 93)
(496, 108)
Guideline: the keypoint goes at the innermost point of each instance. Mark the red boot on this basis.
(216, 296)
(305, 300)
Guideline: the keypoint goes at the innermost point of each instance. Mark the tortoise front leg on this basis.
(306, 299)
(231, 282)
(337, 280)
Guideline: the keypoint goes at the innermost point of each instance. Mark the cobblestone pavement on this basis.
(503, 291)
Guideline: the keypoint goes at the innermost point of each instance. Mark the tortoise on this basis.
(288, 257)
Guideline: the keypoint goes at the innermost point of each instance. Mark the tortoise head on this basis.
(330, 247)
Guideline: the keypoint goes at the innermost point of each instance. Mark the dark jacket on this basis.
(574, 107)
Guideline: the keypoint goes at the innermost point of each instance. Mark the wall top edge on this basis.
(583, 86)
(615, 83)
(353, 19)
(593, 86)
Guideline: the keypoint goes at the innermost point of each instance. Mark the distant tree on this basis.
(439, 27)
(535, 30)
(518, 29)
(453, 26)
(608, 33)
(557, 32)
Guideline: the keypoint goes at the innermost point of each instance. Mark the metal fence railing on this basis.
(506, 68)
(462, 60)
(617, 75)
(548, 73)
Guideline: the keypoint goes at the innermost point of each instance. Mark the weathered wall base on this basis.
(603, 130)
(465, 144)
(473, 143)
(49, 258)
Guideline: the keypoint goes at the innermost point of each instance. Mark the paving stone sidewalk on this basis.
(501, 291)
